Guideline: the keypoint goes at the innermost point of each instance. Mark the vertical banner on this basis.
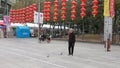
(111, 8)
(107, 28)
(6, 20)
(35, 17)
(41, 18)
(110, 28)
(106, 8)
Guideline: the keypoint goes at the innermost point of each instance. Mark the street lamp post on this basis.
(6, 8)
(39, 18)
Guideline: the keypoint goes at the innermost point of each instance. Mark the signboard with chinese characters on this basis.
(38, 17)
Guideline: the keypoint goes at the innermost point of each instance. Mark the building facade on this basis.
(5, 6)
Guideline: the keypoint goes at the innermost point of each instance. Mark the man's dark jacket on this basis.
(71, 37)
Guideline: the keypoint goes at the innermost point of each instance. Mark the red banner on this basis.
(112, 8)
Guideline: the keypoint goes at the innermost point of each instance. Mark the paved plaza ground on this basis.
(29, 53)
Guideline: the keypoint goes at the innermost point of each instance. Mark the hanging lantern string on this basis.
(73, 8)
(55, 10)
(94, 7)
(23, 15)
(83, 9)
(46, 11)
(63, 13)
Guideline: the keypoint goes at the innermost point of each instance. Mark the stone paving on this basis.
(29, 53)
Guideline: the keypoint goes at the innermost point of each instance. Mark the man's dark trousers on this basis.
(71, 47)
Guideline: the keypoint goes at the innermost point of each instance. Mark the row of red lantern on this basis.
(94, 8)
(23, 10)
(23, 15)
(63, 13)
(29, 13)
(46, 11)
(55, 10)
(73, 8)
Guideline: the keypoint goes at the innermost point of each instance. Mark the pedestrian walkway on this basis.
(29, 53)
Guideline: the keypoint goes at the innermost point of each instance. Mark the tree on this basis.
(91, 23)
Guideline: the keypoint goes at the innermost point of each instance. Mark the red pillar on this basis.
(108, 45)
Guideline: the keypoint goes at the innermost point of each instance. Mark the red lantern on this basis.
(55, 2)
(94, 7)
(63, 0)
(94, 13)
(45, 6)
(20, 18)
(63, 12)
(83, 9)
(55, 10)
(73, 12)
(55, 18)
(33, 7)
(48, 14)
(45, 14)
(95, 2)
(82, 14)
(73, 2)
(73, 7)
(83, 0)
(56, 6)
(63, 4)
(11, 19)
(48, 18)
(73, 17)
(30, 16)
(48, 10)
(48, 6)
(83, 4)
(55, 14)
(49, 2)
(63, 17)
(45, 11)
(63, 8)
(28, 8)
(45, 18)
(15, 12)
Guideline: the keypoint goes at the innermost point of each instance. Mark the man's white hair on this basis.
(71, 29)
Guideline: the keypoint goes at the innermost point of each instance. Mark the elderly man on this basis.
(71, 41)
